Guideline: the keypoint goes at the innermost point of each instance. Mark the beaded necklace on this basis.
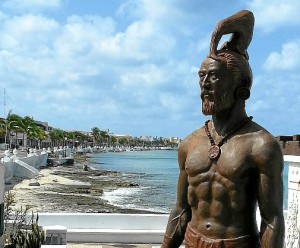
(215, 149)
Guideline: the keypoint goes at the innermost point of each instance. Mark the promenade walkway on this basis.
(93, 245)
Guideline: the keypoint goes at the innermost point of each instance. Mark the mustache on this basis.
(206, 93)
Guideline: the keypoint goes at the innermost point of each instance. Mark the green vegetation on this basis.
(21, 232)
(13, 125)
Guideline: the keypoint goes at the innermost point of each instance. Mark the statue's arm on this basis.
(270, 195)
(181, 213)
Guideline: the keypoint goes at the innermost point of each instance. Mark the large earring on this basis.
(243, 93)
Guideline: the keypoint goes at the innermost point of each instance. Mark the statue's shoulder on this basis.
(264, 144)
(195, 137)
(261, 136)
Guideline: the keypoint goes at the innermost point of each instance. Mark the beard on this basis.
(214, 105)
(208, 107)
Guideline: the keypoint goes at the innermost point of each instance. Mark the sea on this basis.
(156, 174)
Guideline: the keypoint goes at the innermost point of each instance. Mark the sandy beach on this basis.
(70, 189)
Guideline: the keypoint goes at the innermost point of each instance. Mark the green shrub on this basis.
(20, 230)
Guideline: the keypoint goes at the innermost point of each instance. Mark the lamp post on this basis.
(65, 147)
(5, 138)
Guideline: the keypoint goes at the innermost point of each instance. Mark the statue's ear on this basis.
(242, 93)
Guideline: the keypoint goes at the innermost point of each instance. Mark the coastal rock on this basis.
(34, 184)
(70, 189)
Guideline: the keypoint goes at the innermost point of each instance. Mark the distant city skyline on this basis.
(131, 65)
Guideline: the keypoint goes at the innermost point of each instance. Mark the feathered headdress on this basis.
(241, 26)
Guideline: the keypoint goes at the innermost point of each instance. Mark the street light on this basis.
(5, 133)
(6, 121)
(65, 148)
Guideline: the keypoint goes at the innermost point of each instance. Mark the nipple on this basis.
(207, 226)
(187, 171)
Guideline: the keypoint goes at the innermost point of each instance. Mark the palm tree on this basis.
(104, 136)
(80, 137)
(33, 135)
(96, 134)
(56, 136)
(14, 123)
(28, 126)
(41, 135)
(2, 128)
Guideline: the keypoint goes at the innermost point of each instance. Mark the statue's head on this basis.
(225, 75)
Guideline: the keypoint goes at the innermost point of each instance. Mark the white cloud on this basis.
(145, 76)
(274, 100)
(287, 59)
(84, 66)
(270, 14)
(30, 5)
(27, 31)
(144, 9)
(143, 40)
(132, 72)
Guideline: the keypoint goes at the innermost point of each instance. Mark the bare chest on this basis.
(233, 163)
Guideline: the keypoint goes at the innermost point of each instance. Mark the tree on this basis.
(113, 139)
(28, 126)
(41, 135)
(70, 135)
(56, 136)
(123, 141)
(33, 135)
(104, 136)
(96, 134)
(2, 128)
(80, 137)
(14, 124)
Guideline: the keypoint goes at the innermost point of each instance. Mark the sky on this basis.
(131, 66)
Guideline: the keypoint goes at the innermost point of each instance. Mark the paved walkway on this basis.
(93, 245)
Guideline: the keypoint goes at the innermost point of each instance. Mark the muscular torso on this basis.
(222, 193)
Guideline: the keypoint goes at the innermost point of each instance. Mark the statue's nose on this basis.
(206, 82)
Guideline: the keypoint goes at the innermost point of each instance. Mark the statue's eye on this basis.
(213, 76)
(201, 76)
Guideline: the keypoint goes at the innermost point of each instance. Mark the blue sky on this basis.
(131, 66)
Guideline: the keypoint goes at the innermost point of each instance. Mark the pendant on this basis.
(214, 152)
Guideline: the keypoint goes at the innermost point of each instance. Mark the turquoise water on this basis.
(155, 171)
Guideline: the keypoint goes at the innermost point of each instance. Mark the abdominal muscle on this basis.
(219, 211)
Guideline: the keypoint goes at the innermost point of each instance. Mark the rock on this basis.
(34, 184)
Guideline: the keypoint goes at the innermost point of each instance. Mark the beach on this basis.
(70, 189)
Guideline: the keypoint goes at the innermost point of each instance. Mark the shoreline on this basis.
(70, 188)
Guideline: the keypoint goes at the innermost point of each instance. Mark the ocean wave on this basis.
(130, 198)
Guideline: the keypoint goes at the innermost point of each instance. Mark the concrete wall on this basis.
(24, 170)
(114, 228)
(118, 228)
(2, 168)
(23, 167)
(36, 161)
(293, 217)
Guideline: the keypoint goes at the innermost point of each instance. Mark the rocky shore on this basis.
(72, 188)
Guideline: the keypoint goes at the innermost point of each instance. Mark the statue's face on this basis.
(217, 87)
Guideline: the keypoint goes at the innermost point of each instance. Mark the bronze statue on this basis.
(231, 165)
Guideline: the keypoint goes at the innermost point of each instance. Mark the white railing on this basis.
(105, 228)
(292, 228)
